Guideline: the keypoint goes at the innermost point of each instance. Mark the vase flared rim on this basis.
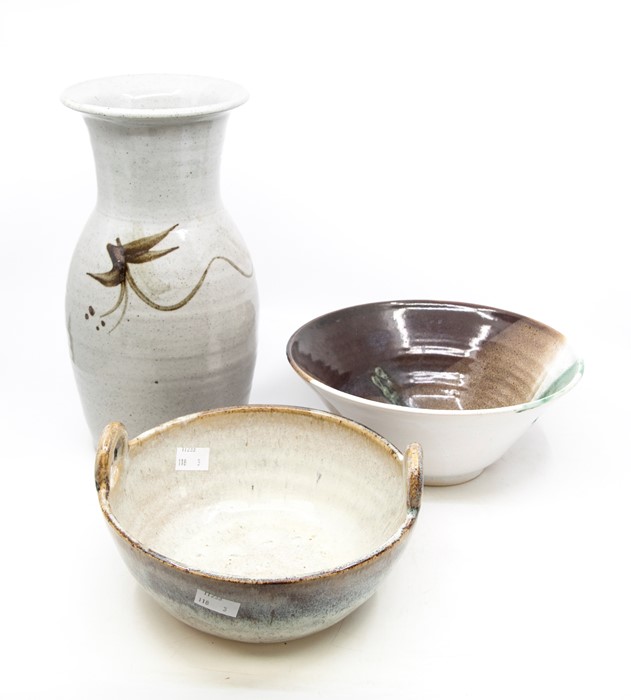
(154, 96)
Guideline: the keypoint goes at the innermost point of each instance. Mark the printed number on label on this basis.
(192, 459)
(219, 605)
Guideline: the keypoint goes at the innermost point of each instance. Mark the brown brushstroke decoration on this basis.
(136, 253)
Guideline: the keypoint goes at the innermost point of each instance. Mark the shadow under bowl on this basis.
(464, 380)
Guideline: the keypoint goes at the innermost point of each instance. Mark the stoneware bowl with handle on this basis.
(466, 381)
(258, 523)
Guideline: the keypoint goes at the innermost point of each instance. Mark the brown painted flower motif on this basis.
(136, 253)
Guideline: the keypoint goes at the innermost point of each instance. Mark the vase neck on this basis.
(156, 171)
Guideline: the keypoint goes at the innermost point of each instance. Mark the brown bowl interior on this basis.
(435, 355)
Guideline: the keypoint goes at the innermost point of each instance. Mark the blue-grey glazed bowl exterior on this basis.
(261, 608)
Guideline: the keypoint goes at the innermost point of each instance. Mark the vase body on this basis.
(161, 302)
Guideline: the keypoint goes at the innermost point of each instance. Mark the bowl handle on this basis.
(413, 461)
(111, 454)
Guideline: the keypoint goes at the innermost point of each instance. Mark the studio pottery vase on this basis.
(161, 300)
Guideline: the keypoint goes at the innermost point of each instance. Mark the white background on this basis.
(469, 151)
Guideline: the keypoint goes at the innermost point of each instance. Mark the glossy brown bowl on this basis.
(464, 380)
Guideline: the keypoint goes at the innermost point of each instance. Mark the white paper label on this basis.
(192, 459)
(220, 605)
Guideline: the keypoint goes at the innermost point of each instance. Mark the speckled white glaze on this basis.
(296, 521)
(182, 335)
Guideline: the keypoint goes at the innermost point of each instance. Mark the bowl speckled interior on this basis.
(289, 514)
(409, 367)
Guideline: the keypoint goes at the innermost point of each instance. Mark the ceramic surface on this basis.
(465, 381)
(161, 302)
(283, 522)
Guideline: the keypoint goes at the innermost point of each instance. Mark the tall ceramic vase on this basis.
(161, 301)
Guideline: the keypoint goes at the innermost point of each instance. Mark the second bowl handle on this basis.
(413, 461)
(111, 455)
